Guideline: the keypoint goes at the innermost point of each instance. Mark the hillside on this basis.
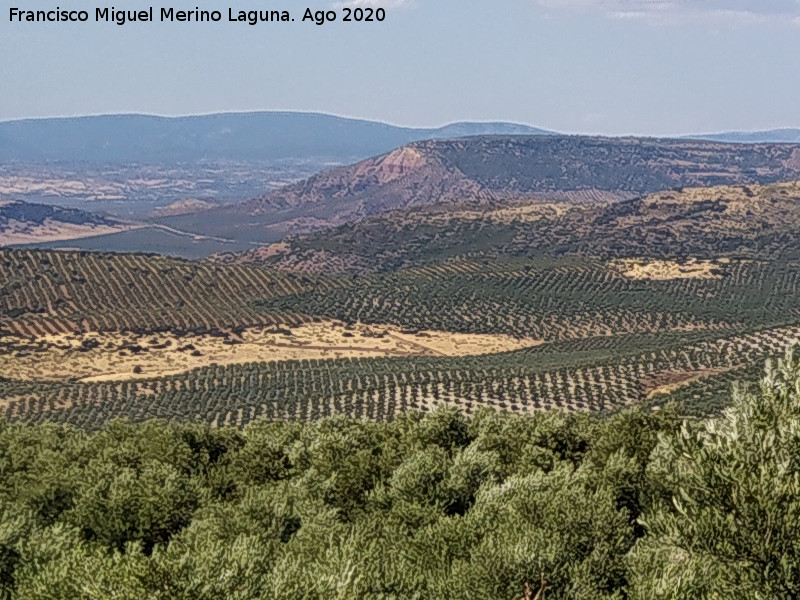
(256, 136)
(492, 169)
(98, 336)
(25, 223)
(572, 168)
(720, 221)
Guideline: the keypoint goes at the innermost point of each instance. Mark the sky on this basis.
(653, 67)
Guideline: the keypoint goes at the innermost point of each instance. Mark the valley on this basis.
(519, 273)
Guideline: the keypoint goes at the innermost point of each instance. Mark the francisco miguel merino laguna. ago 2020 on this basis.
(196, 15)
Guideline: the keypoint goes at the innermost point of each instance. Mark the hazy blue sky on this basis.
(606, 66)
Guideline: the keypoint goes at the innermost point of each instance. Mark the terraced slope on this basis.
(610, 338)
(587, 375)
(44, 292)
(673, 295)
(558, 298)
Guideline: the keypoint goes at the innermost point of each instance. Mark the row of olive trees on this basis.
(640, 505)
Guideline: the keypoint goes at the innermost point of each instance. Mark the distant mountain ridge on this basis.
(788, 136)
(251, 136)
(255, 136)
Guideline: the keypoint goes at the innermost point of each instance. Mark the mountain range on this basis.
(249, 136)
(255, 136)
(490, 170)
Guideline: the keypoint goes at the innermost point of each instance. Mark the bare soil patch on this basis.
(665, 270)
(123, 356)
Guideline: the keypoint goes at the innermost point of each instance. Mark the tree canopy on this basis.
(643, 504)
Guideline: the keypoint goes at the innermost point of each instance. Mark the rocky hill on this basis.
(492, 168)
(497, 169)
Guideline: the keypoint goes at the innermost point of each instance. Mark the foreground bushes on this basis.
(639, 505)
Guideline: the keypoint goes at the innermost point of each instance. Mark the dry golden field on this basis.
(114, 356)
